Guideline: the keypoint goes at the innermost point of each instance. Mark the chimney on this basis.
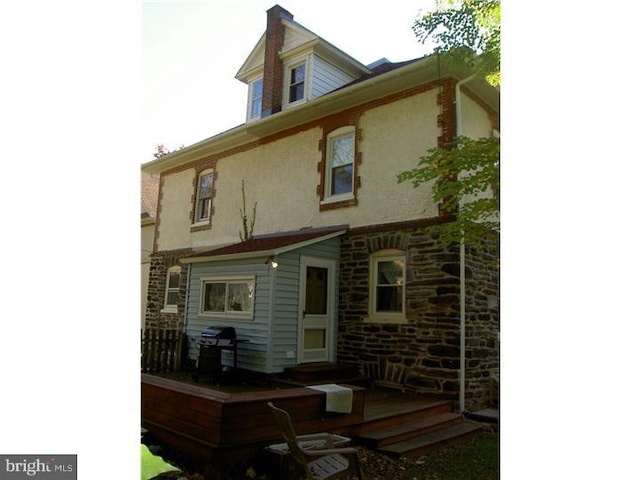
(272, 80)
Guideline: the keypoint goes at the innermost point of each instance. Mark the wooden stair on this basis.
(416, 429)
(319, 373)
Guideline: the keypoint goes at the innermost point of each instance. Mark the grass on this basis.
(478, 459)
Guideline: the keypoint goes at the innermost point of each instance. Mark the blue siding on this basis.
(273, 331)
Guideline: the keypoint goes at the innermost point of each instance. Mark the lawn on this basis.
(478, 459)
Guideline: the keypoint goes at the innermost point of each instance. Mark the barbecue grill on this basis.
(211, 343)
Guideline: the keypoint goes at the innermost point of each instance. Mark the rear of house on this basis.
(361, 276)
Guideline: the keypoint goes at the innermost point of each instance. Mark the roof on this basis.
(267, 245)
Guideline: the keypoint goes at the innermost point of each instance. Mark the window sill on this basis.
(169, 310)
(340, 201)
(205, 225)
(227, 316)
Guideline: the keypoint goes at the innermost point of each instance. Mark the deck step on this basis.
(320, 373)
(429, 442)
(409, 429)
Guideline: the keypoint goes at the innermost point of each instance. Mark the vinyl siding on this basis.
(273, 331)
(325, 77)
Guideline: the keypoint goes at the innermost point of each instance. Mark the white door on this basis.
(315, 326)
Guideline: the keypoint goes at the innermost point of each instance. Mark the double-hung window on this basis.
(232, 297)
(387, 286)
(204, 197)
(296, 82)
(172, 290)
(255, 102)
(339, 164)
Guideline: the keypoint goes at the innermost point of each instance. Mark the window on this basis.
(255, 103)
(227, 296)
(296, 83)
(387, 286)
(204, 197)
(339, 164)
(172, 290)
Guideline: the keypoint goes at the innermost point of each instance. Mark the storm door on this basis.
(315, 332)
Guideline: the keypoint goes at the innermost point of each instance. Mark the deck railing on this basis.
(161, 349)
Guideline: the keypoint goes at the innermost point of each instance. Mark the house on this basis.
(149, 201)
(338, 262)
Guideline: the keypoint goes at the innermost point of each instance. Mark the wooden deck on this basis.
(229, 424)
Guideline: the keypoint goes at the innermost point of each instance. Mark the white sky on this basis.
(192, 51)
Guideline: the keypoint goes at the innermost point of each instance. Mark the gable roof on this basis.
(299, 39)
(267, 245)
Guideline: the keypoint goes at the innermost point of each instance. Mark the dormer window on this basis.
(296, 76)
(255, 102)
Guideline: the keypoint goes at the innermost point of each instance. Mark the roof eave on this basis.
(403, 78)
(262, 253)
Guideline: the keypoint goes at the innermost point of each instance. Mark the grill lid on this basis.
(219, 332)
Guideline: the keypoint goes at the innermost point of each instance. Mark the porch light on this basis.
(271, 262)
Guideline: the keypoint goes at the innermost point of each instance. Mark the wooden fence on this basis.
(161, 350)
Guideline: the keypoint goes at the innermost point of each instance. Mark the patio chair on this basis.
(316, 453)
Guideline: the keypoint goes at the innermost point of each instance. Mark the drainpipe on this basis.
(463, 278)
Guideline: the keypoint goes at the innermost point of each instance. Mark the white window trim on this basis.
(170, 308)
(287, 76)
(385, 317)
(250, 116)
(341, 197)
(227, 279)
(196, 222)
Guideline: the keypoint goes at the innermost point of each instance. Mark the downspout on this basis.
(463, 278)
(184, 323)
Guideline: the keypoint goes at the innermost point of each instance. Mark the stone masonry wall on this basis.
(160, 263)
(482, 326)
(423, 354)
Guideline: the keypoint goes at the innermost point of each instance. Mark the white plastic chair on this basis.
(321, 461)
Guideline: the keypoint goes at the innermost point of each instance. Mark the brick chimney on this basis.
(273, 68)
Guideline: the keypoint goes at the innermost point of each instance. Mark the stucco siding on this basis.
(475, 121)
(174, 210)
(282, 177)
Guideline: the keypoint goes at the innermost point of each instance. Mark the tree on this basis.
(161, 150)
(468, 30)
(465, 173)
(246, 233)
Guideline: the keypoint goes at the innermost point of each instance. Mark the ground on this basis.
(478, 459)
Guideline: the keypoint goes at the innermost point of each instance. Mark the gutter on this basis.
(463, 276)
(409, 76)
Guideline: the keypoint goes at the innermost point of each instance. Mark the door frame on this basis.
(330, 265)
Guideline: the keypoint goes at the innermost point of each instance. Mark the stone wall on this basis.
(482, 326)
(422, 354)
(160, 263)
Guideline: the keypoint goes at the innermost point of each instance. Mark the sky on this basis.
(193, 50)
